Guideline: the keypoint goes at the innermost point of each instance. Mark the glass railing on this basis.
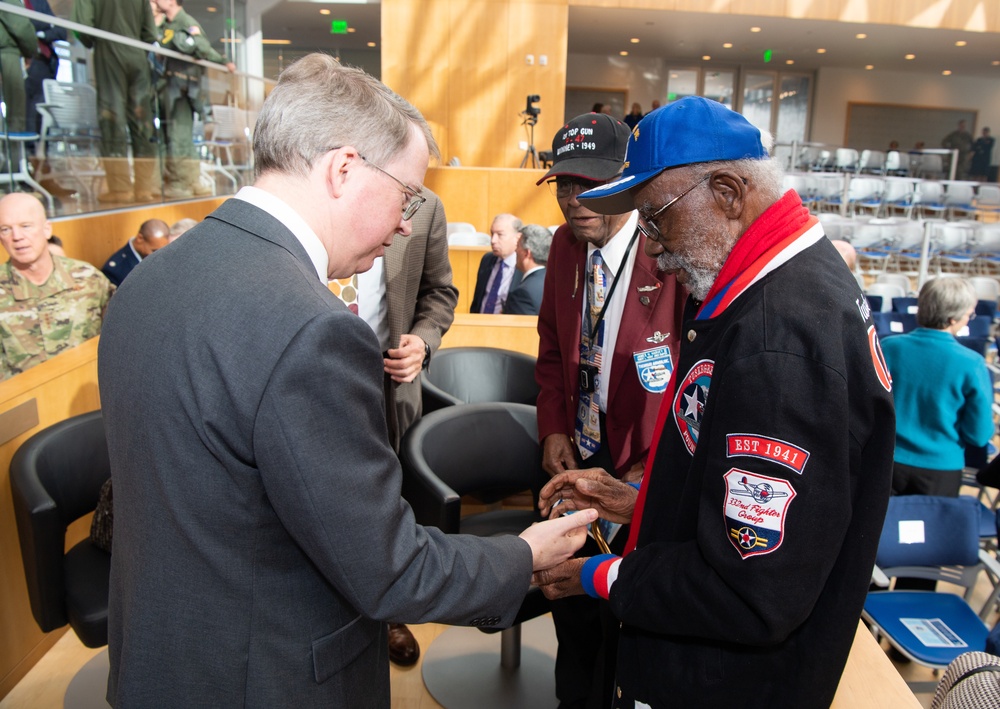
(121, 122)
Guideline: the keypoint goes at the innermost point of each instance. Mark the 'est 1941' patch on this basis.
(755, 511)
(767, 448)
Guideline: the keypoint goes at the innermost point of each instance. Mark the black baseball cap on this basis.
(591, 146)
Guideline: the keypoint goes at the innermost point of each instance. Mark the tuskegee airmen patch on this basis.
(689, 402)
(655, 367)
(755, 511)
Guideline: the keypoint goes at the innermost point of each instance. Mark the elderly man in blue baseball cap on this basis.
(754, 529)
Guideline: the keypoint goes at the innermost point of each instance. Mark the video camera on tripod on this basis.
(530, 114)
(531, 111)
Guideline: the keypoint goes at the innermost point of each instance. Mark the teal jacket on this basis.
(943, 397)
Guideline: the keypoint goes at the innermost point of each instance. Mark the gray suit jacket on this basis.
(260, 538)
(420, 300)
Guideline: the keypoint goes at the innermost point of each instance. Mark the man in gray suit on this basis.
(260, 539)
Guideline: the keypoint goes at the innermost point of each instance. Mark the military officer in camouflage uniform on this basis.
(17, 39)
(180, 96)
(124, 91)
(47, 303)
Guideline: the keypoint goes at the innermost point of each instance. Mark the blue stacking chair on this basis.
(933, 538)
(890, 323)
(904, 305)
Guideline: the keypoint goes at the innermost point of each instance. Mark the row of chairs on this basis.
(886, 196)
(813, 158)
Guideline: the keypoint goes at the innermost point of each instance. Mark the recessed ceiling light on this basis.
(820, 51)
(995, 62)
(371, 44)
(755, 29)
(789, 61)
(352, 30)
(634, 40)
(211, 8)
(728, 45)
(961, 43)
(623, 53)
(910, 56)
(946, 72)
(276, 41)
(324, 11)
(706, 57)
(869, 67)
(860, 35)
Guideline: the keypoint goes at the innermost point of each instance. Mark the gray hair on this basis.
(318, 105)
(182, 225)
(766, 176)
(537, 239)
(944, 300)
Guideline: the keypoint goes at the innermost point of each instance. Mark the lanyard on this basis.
(592, 327)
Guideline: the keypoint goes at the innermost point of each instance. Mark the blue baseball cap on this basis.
(688, 131)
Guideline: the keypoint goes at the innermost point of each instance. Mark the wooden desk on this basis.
(509, 332)
(871, 680)
(54, 390)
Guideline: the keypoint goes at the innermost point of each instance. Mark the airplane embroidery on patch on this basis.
(755, 510)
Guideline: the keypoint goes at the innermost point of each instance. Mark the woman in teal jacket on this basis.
(942, 391)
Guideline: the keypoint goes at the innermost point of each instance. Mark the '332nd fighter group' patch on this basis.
(755, 510)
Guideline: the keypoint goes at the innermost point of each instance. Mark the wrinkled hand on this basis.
(404, 362)
(231, 67)
(558, 454)
(560, 581)
(613, 499)
(554, 541)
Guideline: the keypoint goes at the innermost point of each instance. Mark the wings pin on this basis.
(649, 289)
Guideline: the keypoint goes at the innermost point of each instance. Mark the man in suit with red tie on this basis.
(498, 274)
(608, 331)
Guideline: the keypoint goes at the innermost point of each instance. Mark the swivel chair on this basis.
(56, 478)
(469, 375)
(490, 450)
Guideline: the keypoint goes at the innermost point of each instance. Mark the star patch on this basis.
(689, 402)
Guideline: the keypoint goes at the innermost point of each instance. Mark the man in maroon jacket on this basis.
(608, 331)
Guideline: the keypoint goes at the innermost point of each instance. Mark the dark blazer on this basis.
(651, 318)
(260, 537)
(420, 300)
(483, 277)
(526, 298)
(120, 264)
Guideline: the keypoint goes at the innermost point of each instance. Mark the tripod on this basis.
(530, 121)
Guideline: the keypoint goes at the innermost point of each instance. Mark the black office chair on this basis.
(470, 375)
(56, 478)
(489, 450)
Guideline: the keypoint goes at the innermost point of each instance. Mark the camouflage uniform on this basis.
(38, 322)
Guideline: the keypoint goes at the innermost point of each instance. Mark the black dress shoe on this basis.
(403, 647)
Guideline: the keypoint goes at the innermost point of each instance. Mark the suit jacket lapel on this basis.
(644, 290)
(395, 286)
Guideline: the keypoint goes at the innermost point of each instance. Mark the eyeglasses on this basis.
(416, 199)
(648, 226)
(563, 187)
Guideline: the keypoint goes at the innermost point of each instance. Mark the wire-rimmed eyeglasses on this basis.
(416, 199)
(648, 226)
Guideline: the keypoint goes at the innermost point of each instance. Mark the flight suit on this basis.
(17, 39)
(180, 98)
(124, 89)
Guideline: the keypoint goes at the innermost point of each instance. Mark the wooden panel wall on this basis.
(64, 386)
(94, 237)
(476, 195)
(464, 65)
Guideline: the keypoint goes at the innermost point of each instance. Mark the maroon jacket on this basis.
(655, 303)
